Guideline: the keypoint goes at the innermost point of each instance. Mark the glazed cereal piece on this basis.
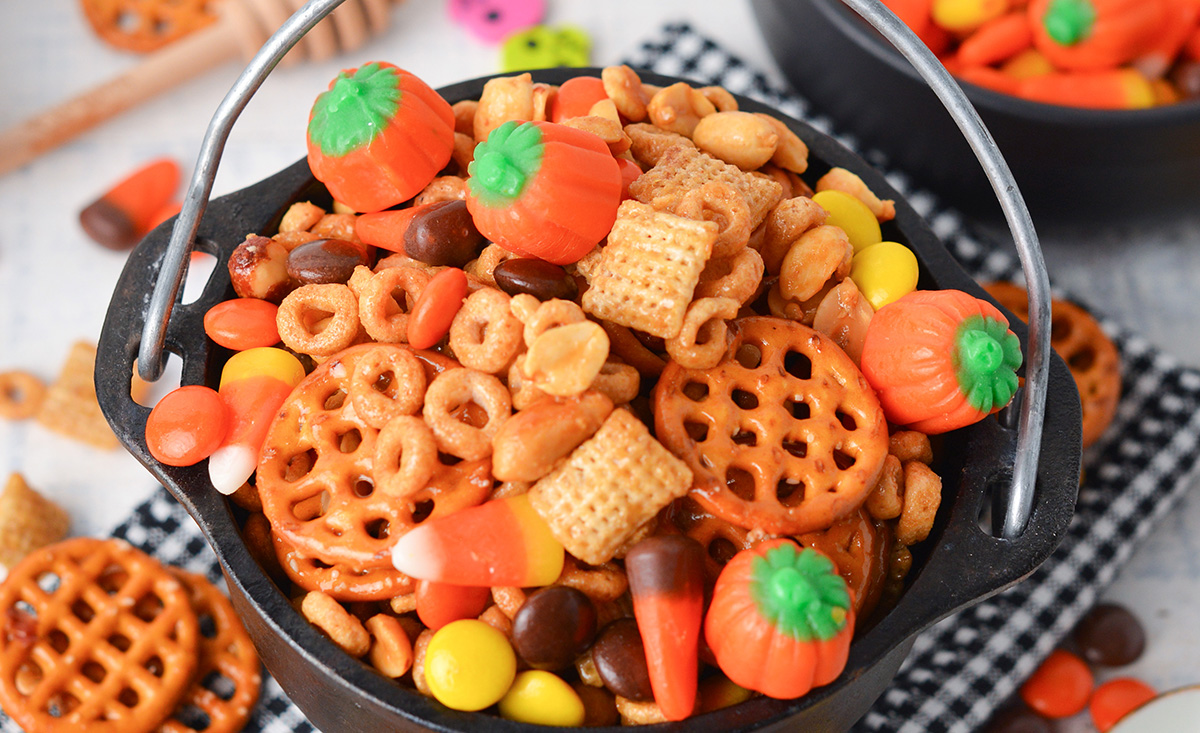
(648, 143)
(28, 521)
(608, 487)
(649, 269)
(682, 169)
(70, 405)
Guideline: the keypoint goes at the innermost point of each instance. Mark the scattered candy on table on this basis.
(545, 47)
(492, 20)
(131, 208)
(1116, 698)
(1060, 687)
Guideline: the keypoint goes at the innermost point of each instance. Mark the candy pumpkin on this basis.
(1089, 35)
(544, 190)
(780, 620)
(940, 360)
(378, 136)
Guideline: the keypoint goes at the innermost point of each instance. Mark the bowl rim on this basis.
(863, 35)
(966, 545)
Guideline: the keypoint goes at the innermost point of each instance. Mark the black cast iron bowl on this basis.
(959, 565)
(1074, 166)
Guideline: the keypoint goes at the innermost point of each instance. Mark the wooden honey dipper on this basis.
(242, 26)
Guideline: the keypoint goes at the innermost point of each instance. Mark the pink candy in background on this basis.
(492, 20)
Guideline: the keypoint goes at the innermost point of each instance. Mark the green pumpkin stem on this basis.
(505, 163)
(986, 357)
(357, 107)
(1069, 21)
(800, 593)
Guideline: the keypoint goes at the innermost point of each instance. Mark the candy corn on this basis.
(500, 543)
(254, 383)
(666, 578)
(122, 216)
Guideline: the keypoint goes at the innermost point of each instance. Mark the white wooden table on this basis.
(55, 284)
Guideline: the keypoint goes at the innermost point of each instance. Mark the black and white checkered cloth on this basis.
(960, 670)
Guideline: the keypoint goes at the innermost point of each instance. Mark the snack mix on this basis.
(581, 390)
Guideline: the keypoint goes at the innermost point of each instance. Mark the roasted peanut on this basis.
(820, 254)
(844, 315)
(678, 108)
(840, 179)
(258, 269)
(624, 87)
(738, 138)
(503, 99)
(564, 360)
(535, 439)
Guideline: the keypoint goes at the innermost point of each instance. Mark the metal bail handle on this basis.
(183, 235)
(1032, 404)
(1037, 368)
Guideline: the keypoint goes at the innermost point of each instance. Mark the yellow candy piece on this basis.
(966, 15)
(885, 272)
(263, 361)
(469, 665)
(542, 698)
(850, 215)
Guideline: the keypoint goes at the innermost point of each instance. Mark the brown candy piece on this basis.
(553, 626)
(325, 261)
(1019, 719)
(1110, 635)
(108, 225)
(621, 660)
(443, 234)
(543, 280)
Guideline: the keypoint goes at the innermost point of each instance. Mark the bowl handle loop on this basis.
(170, 277)
(1032, 403)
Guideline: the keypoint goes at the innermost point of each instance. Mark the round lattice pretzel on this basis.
(784, 435)
(341, 581)
(1090, 355)
(228, 663)
(147, 25)
(317, 479)
(94, 635)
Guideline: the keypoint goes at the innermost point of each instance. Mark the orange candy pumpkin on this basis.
(378, 136)
(940, 360)
(781, 619)
(1089, 35)
(544, 190)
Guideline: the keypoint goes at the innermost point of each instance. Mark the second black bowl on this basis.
(1074, 166)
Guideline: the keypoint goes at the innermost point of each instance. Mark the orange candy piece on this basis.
(187, 425)
(242, 323)
(1117, 698)
(575, 97)
(441, 603)
(1060, 687)
(127, 211)
(436, 307)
